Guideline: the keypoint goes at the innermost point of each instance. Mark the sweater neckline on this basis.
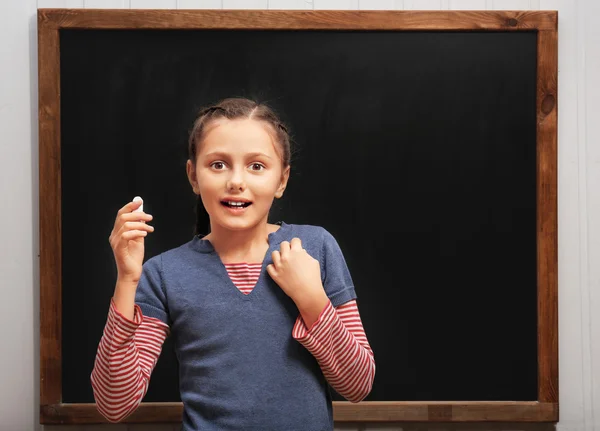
(274, 238)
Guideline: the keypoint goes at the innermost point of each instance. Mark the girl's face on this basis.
(237, 173)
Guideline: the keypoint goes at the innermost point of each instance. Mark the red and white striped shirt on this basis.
(129, 350)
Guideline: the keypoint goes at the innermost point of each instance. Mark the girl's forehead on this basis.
(238, 136)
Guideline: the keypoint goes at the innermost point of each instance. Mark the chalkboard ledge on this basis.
(366, 411)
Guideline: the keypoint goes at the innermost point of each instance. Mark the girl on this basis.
(263, 316)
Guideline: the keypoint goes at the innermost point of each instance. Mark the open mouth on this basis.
(233, 204)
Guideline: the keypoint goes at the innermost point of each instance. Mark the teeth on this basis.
(237, 204)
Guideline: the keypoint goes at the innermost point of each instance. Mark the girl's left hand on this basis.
(296, 272)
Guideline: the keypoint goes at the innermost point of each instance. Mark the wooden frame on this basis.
(51, 21)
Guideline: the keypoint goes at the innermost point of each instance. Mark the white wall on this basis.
(579, 203)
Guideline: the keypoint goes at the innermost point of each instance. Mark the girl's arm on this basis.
(126, 356)
(338, 341)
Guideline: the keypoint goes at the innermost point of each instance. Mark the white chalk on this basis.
(141, 207)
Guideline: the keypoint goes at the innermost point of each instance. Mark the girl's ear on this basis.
(191, 174)
(284, 179)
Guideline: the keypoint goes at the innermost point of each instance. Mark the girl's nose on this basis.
(236, 181)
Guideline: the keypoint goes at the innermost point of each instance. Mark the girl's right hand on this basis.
(127, 241)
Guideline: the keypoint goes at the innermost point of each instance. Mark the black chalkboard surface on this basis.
(429, 153)
(416, 150)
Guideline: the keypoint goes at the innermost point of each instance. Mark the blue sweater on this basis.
(239, 367)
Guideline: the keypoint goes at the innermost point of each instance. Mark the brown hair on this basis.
(235, 108)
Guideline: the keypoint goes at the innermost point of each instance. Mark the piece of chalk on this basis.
(141, 207)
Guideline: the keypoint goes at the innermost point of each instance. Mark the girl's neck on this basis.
(248, 245)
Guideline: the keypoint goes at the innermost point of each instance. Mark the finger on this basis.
(276, 256)
(271, 270)
(129, 226)
(131, 206)
(285, 248)
(136, 225)
(296, 244)
(122, 214)
(135, 216)
(132, 234)
(127, 217)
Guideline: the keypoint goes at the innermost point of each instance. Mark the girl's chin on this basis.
(236, 219)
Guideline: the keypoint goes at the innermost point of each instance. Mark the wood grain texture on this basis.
(49, 202)
(88, 414)
(444, 411)
(368, 411)
(50, 21)
(547, 216)
(301, 20)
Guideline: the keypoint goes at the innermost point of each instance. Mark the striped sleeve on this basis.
(126, 356)
(338, 341)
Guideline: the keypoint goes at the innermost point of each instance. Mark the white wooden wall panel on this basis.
(589, 144)
(584, 205)
(336, 4)
(591, 70)
(291, 4)
(199, 4)
(467, 4)
(377, 5)
(153, 4)
(510, 5)
(423, 4)
(19, 334)
(75, 4)
(569, 279)
(554, 5)
(106, 4)
(245, 4)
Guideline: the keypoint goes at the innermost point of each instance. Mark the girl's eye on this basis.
(257, 166)
(217, 165)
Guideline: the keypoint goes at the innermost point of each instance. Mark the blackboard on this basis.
(418, 150)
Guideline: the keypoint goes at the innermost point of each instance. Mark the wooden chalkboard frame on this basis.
(545, 23)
